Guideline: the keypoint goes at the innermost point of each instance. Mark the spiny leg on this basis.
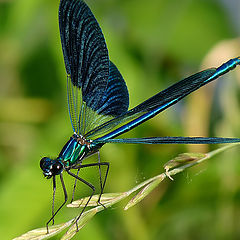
(74, 187)
(75, 183)
(65, 199)
(100, 177)
(89, 185)
(53, 199)
(99, 164)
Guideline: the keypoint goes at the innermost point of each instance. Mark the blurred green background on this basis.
(154, 44)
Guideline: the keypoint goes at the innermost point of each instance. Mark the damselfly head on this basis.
(51, 167)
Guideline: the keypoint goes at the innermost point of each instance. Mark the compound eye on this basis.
(57, 168)
(43, 162)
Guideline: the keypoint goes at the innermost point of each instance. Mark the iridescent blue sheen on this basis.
(98, 99)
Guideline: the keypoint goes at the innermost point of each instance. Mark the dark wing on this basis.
(92, 78)
(159, 102)
(115, 101)
(172, 140)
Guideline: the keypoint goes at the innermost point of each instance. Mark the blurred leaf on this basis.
(154, 44)
(186, 30)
